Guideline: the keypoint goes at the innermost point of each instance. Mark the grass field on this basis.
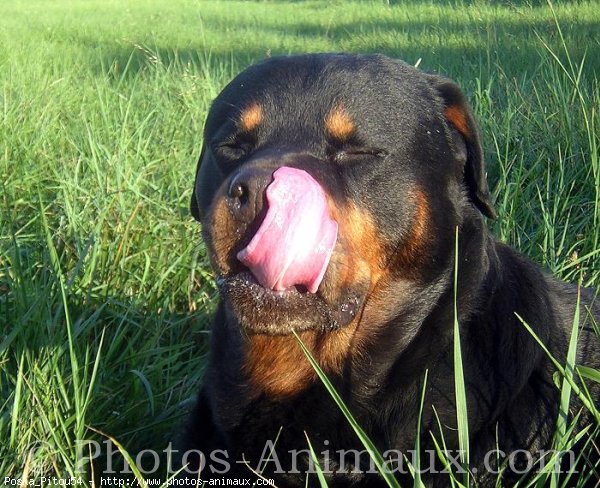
(105, 292)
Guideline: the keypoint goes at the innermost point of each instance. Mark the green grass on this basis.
(105, 289)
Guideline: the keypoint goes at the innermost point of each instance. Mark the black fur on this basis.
(403, 141)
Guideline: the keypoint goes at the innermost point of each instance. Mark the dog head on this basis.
(327, 183)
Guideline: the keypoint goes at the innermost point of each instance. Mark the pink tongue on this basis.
(294, 243)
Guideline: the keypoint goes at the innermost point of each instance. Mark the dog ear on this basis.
(208, 175)
(194, 204)
(462, 124)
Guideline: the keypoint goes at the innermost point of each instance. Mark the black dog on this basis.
(330, 188)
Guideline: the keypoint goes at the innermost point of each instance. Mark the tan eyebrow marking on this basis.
(251, 117)
(339, 124)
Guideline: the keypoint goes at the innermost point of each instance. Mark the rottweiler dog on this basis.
(332, 189)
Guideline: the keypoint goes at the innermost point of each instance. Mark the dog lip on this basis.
(246, 277)
(254, 306)
(245, 284)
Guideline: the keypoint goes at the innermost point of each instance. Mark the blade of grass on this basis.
(315, 460)
(565, 395)
(418, 481)
(586, 402)
(462, 418)
(367, 443)
(442, 453)
(130, 461)
(16, 404)
(589, 373)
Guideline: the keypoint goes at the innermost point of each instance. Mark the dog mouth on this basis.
(287, 276)
(245, 279)
(262, 310)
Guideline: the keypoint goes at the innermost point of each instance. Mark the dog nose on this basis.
(246, 192)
